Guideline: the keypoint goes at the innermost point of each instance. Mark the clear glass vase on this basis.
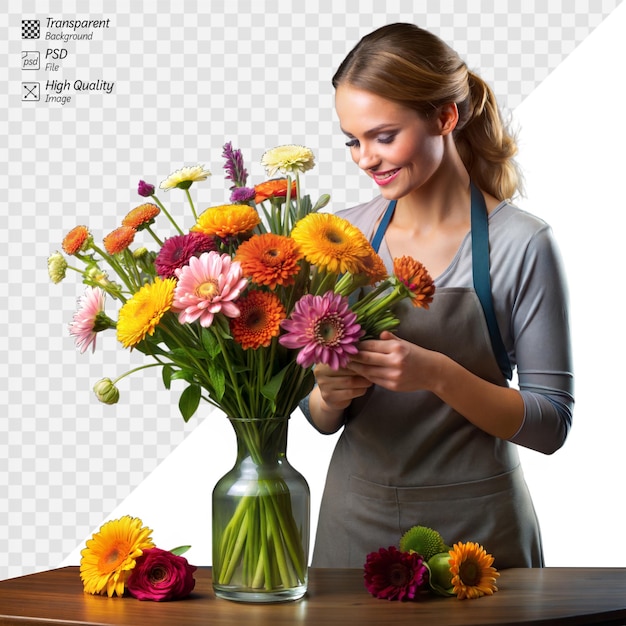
(261, 519)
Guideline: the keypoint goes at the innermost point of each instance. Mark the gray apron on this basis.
(405, 459)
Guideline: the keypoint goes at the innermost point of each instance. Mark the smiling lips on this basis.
(384, 178)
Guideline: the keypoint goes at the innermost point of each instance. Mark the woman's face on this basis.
(397, 148)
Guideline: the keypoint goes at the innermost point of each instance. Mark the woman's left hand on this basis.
(393, 363)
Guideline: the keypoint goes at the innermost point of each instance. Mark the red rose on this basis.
(160, 575)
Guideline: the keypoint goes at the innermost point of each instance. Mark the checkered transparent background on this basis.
(254, 72)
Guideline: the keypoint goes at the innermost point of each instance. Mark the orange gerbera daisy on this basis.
(373, 266)
(269, 259)
(118, 240)
(259, 320)
(415, 277)
(76, 240)
(473, 574)
(331, 242)
(227, 220)
(142, 216)
(276, 188)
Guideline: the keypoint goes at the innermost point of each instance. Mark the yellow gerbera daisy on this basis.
(184, 177)
(111, 553)
(331, 243)
(141, 314)
(473, 574)
(227, 220)
(288, 159)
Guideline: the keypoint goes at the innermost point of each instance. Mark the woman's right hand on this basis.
(334, 392)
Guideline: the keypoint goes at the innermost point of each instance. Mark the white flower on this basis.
(184, 177)
(288, 159)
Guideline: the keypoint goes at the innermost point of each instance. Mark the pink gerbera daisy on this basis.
(207, 286)
(89, 319)
(324, 328)
(177, 251)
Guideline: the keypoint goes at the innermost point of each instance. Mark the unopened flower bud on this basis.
(106, 391)
(145, 189)
(57, 266)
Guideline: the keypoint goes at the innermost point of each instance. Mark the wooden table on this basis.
(335, 596)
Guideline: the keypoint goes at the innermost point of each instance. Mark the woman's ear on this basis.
(447, 118)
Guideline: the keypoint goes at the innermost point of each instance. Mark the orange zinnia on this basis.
(75, 240)
(276, 188)
(227, 220)
(118, 240)
(269, 259)
(141, 216)
(374, 268)
(259, 321)
(417, 280)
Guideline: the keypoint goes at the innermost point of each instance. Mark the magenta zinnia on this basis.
(177, 251)
(89, 319)
(393, 575)
(324, 329)
(208, 285)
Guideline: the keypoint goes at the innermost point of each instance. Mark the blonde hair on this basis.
(411, 66)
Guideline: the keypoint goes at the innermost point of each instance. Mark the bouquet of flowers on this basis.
(241, 302)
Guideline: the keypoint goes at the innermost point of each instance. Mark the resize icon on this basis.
(30, 92)
(30, 29)
(30, 60)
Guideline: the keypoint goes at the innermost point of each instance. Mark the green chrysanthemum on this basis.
(425, 541)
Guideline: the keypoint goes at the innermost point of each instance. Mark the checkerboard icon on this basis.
(30, 29)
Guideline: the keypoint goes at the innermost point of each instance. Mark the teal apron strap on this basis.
(482, 278)
(480, 269)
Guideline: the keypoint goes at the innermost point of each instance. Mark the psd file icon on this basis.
(31, 60)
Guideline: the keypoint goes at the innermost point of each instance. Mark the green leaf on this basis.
(210, 343)
(180, 550)
(218, 381)
(270, 389)
(167, 373)
(181, 374)
(189, 401)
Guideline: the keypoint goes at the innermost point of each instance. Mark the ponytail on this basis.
(485, 144)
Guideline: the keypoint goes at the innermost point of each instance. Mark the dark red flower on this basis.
(394, 575)
(160, 575)
(177, 251)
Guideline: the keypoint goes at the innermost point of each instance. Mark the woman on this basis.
(430, 425)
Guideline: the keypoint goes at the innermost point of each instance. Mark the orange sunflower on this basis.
(259, 320)
(142, 216)
(416, 279)
(227, 220)
(118, 240)
(473, 574)
(76, 240)
(111, 553)
(269, 259)
(276, 188)
(331, 243)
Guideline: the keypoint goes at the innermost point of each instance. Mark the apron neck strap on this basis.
(480, 268)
